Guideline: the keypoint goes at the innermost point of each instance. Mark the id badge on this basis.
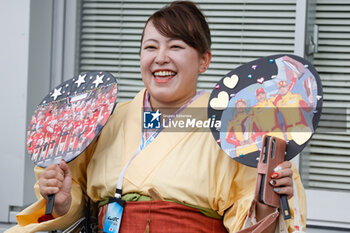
(114, 215)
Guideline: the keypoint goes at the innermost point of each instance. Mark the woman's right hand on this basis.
(57, 179)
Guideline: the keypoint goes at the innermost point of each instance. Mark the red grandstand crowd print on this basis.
(63, 128)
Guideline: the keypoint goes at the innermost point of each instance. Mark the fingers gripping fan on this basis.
(70, 117)
(278, 96)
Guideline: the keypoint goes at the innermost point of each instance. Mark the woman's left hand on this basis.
(282, 179)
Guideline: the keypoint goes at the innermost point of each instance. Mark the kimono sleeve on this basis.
(241, 197)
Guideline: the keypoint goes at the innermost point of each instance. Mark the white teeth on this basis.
(164, 73)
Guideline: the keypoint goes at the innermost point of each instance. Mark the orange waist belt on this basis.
(161, 217)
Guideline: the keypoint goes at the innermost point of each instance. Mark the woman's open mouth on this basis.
(163, 76)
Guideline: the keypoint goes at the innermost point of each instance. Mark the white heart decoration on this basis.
(220, 102)
(261, 80)
(300, 135)
(231, 82)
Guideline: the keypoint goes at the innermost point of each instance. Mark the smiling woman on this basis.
(170, 181)
(169, 68)
(175, 48)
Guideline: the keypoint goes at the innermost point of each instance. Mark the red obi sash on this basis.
(163, 217)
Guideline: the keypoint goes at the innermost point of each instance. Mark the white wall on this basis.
(25, 47)
(14, 26)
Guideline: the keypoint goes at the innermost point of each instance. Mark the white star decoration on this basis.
(98, 80)
(80, 80)
(155, 115)
(56, 93)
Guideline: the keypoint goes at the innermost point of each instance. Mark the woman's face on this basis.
(169, 68)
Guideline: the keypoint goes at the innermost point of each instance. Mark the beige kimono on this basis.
(188, 167)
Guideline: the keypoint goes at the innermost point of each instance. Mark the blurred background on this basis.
(45, 42)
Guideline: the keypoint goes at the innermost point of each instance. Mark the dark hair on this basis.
(183, 20)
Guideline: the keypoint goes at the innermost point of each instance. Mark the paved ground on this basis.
(3, 227)
(319, 230)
